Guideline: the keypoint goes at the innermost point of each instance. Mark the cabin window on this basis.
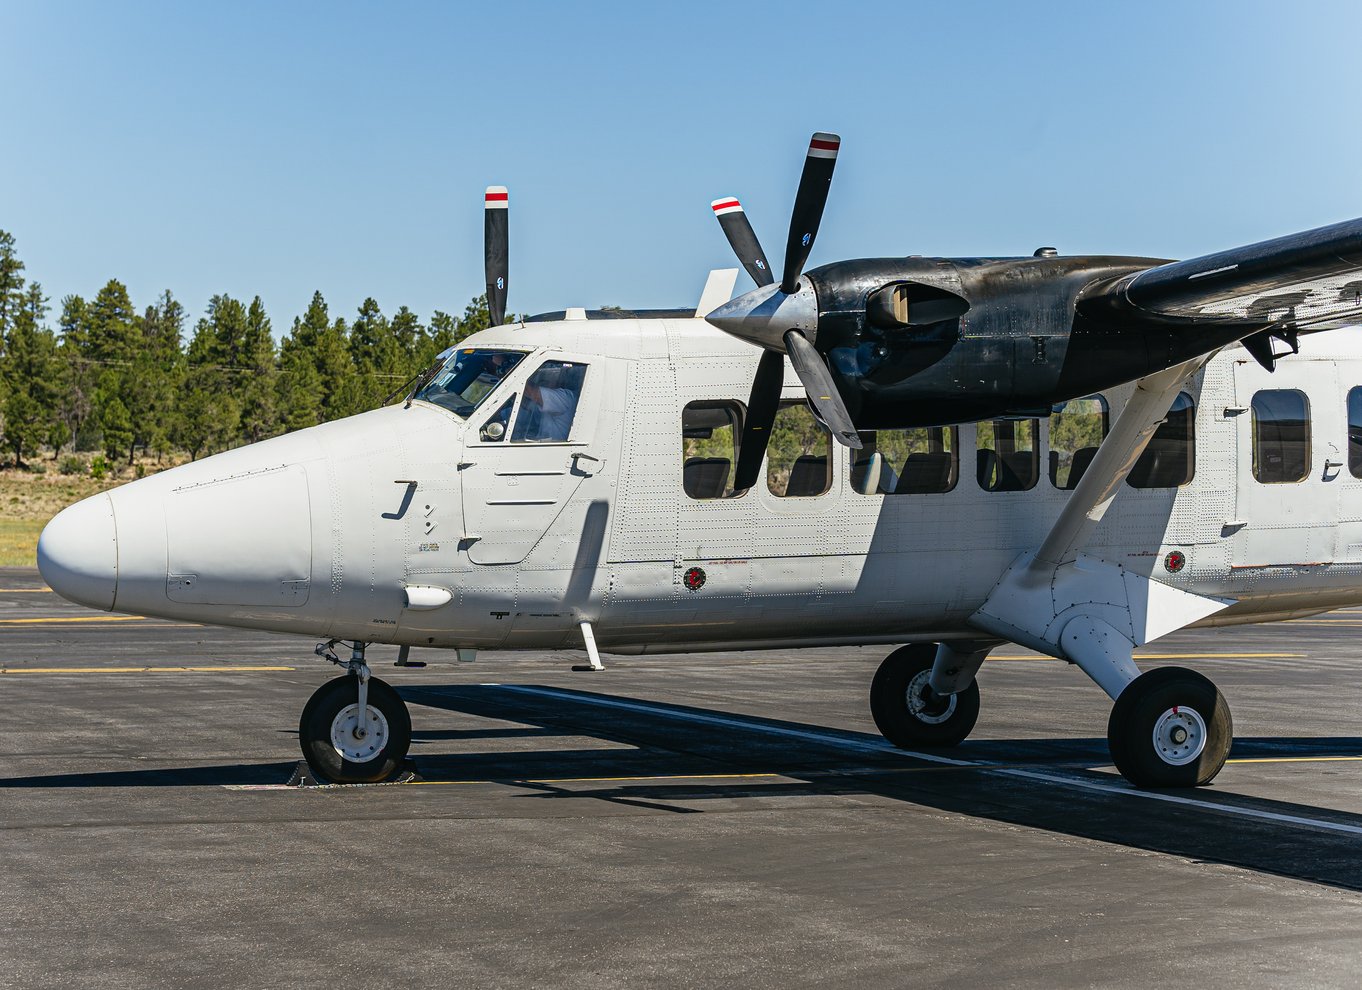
(1355, 432)
(1170, 458)
(709, 448)
(907, 462)
(798, 454)
(550, 403)
(1077, 429)
(1007, 456)
(1281, 436)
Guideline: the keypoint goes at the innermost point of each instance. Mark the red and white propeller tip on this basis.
(496, 198)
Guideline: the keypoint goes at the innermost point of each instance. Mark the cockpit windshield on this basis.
(468, 377)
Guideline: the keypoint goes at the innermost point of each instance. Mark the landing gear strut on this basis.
(355, 729)
(908, 712)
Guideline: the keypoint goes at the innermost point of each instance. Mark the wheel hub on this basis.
(353, 743)
(1179, 736)
(924, 704)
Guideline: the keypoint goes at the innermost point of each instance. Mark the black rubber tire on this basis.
(1130, 730)
(889, 703)
(314, 731)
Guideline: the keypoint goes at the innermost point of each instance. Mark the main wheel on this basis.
(333, 744)
(905, 710)
(1170, 727)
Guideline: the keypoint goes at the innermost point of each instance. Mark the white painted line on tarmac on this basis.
(1128, 790)
(1121, 790)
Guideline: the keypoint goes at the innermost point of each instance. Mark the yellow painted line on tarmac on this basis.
(25, 591)
(1297, 759)
(74, 618)
(141, 670)
(1181, 656)
(598, 780)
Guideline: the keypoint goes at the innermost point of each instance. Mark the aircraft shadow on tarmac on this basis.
(655, 740)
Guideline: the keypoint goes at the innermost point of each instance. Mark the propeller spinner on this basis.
(782, 318)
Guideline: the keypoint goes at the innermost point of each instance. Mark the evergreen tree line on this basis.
(109, 378)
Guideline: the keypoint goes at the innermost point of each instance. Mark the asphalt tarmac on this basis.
(702, 821)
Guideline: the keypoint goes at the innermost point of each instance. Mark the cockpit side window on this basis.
(494, 430)
(550, 404)
(468, 377)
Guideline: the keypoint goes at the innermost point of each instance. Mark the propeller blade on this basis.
(733, 219)
(827, 401)
(494, 238)
(808, 207)
(762, 406)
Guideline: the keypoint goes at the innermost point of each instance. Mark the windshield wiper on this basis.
(414, 384)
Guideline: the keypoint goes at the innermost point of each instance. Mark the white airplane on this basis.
(588, 481)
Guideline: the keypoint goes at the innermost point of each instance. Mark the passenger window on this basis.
(1170, 458)
(1355, 432)
(798, 454)
(1281, 436)
(709, 446)
(550, 403)
(907, 462)
(1077, 429)
(1007, 456)
(494, 430)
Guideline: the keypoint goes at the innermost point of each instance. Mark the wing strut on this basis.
(1093, 612)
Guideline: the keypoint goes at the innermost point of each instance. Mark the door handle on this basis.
(577, 467)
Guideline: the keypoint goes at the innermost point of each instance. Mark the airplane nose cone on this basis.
(763, 315)
(78, 553)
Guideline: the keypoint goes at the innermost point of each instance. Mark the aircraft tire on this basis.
(333, 751)
(907, 721)
(1171, 727)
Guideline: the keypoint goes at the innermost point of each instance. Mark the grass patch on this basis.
(19, 542)
(28, 501)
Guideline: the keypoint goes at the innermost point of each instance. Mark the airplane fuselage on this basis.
(409, 525)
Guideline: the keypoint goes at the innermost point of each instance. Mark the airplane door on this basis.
(1290, 463)
(523, 461)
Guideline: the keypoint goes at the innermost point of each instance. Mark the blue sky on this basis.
(274, 149)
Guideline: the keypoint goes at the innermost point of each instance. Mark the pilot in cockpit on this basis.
(550, 403)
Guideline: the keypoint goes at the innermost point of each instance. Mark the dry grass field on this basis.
(28, 501)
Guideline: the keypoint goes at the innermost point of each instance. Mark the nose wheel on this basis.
(347, 745)
(1170, 727)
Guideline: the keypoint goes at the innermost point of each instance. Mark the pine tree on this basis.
(209, 413)
(79, 376)
(259, 416)
(157, 374)
(30, 405)
(300, 383)
(11, 281)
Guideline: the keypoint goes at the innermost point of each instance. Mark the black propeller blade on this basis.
(743, 240)
(813, 373)
(764, 401)
(808, 207)
(494, 246)
(762, 406)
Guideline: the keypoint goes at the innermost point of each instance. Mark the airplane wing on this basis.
(1307, 281)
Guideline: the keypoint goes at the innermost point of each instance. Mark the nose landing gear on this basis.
(355, 729)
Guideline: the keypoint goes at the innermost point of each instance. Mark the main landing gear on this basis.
(354, 729)
(1169, 727)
